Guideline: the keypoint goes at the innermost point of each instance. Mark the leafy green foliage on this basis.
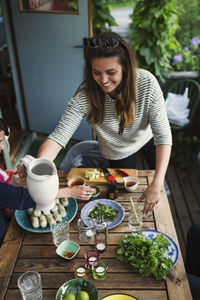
(145, 256)
(151, 34)
(109, 213)
(188, 19)
(101, 17)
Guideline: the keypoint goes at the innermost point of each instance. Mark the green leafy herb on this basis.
(108, 212)
(146, 256)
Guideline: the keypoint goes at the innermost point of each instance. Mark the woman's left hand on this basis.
(150, 197)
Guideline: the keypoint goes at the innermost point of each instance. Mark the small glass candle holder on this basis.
(81, 270)
(99, 270)
(86, 229)
(91, 257)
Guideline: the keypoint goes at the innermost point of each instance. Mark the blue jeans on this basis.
(149, 152)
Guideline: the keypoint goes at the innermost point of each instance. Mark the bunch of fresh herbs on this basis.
(145, 255)
(109, 213)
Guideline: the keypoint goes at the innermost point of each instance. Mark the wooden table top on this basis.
(23, 250)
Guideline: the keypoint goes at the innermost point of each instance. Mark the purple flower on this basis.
(186, 48)
(195, 41)
(178, 58)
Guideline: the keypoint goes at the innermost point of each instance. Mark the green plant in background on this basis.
(151, 34)
(101, 16)
(188, 19)
(187, 58)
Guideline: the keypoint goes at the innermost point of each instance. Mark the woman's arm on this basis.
(15, 197)
(82, 192)
(49, 149)
(152, 194)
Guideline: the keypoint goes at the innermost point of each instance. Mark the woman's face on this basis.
(107, 72)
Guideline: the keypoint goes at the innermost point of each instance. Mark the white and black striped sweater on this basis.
(151, 120)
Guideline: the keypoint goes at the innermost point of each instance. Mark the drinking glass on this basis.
(81, 270)
(99, 270)
(135, 217)
(60, 232)
(91, 257)
(30, 286)
(86, 229)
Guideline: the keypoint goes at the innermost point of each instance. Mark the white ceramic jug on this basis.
(42, 181)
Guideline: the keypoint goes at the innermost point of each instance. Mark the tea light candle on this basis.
(89, 233)
(101, 247)
(81, 272)
(100, 270)
(92, 259)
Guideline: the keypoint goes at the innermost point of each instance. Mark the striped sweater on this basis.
(151, 120)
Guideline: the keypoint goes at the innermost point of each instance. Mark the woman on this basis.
(125, 107)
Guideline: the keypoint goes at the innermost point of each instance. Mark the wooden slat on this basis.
(182, 212)
(177, 283)
(140, 294)
(8, 254)
(188, 193)
(118, 280)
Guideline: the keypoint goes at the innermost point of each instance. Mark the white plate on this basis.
(90, 205)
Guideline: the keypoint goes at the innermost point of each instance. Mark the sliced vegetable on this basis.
(93, 174)
(68, 254)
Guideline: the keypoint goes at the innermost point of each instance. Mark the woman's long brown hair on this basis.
(125, 92)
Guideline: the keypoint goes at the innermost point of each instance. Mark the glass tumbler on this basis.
(135, 217)
(30, 286)
(60, 232)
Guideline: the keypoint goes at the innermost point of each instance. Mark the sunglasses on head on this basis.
(109, 43)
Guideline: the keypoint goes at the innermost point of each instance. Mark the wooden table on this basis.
(23, 251)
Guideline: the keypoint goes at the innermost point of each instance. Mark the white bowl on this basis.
(130, 183)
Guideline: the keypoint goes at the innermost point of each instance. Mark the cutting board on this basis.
(80, 172)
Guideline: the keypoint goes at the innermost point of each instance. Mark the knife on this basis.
(122, 172)
(109, 176)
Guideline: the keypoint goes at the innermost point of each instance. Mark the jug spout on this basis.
(26, 160)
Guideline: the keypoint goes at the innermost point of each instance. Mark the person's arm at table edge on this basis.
(49, 149)
(163, 153)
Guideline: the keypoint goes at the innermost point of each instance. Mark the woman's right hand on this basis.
(21, 170)
(82, 192)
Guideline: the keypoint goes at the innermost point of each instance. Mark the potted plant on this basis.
(186, 60)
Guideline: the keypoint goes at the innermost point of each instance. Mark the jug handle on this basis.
(26, 160)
